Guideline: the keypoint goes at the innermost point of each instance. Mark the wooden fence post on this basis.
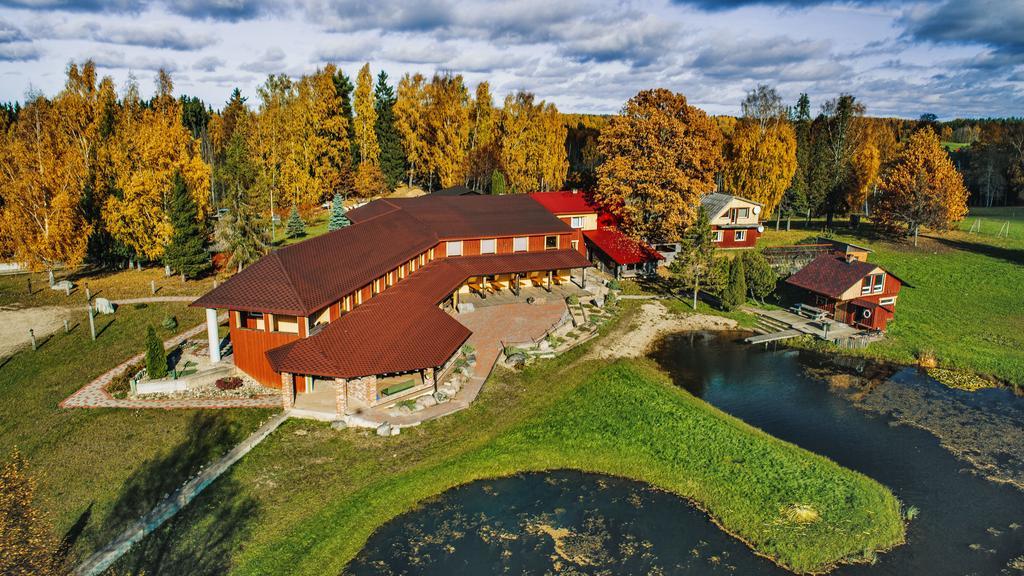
(92, 323)
(32, 335)
(152, 287)
(66, 329)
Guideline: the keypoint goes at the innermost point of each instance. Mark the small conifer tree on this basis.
(497, 182)
(338, 218)
(156, 356)
(296, 225)
(735, 293)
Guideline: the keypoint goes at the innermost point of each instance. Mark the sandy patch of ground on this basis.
(652, 322)
(15, 324)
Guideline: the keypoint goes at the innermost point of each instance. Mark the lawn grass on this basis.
(954, 146)
(97, 469)
(311, 496)
(110, 284)
(965, 303)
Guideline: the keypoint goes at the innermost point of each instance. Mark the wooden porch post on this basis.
(550, 274)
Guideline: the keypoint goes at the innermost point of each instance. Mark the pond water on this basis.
(572, 523)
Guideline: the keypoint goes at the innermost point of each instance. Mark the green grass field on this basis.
(965, 303)
(954, 146)
(306, 500)
(98, 469)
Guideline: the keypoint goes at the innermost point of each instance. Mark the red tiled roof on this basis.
(453, 217)
(402, 329)
(621, 248)
(565, 202)
(831, 275)
(305, 277)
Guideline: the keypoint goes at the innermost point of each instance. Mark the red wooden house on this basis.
(735, 221)
(855, 292)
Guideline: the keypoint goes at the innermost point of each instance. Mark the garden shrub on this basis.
(573, 300)
(140, 305)
(229, 383)
(156, 356)
(121, 384)
(614, 285)
(169, 322)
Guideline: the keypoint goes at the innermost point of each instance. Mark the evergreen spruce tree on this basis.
(187, 253)
(392, 155)
(497, 182)
(338, 218)
(759, 275)
(695, 265)
(296, 225)
(344, 87)
(156, 356)
(735, 293)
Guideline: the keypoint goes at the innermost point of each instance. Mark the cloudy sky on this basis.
(955, 58)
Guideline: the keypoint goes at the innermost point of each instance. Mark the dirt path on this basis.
(636, 337)
(16, 322)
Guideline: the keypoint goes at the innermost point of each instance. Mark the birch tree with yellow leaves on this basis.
(151, 144)
(533, 153)
(410, 119)
(760, 154)
(42, 175)
(447, 129)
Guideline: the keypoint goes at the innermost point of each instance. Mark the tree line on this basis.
(96, 174)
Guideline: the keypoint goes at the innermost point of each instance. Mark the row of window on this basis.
(737, 235)
(490, 245)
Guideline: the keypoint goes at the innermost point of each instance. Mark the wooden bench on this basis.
(808, 311)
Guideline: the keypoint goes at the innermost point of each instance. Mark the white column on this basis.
(211, 333)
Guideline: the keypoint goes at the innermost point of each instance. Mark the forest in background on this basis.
(106, 176)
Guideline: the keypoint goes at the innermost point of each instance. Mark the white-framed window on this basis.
(740, 235)
(576, 222)
(887, 301)
(742, 213)
(521, 244)
(551, 242)
(879, 283)
(575, 244)
(454, 248)
(488, 246)
(718, 235)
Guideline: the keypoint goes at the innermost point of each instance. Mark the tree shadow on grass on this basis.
(201, 539)
(211, 436)
(998, 252)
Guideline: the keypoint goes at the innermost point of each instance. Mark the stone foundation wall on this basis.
(363, 390)
(341, 397)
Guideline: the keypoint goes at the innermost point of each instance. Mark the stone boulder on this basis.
(104, 306)
(465, 307)
(426, 402)
(62, 286)
(384, 429)
(339, 425)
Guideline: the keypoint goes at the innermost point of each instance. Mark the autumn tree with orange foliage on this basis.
(27, 545)
(661, 155)
(532, 152)
(921, 188)
(760, 156)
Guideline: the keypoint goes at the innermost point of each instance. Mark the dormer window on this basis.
(873, 284)
(576, 222)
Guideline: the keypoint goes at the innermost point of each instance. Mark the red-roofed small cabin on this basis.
(855, 292)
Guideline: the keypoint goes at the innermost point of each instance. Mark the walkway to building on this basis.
(491, 325)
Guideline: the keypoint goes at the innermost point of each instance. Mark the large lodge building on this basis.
(366, 306)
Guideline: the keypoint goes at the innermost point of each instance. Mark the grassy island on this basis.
(306, 500)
